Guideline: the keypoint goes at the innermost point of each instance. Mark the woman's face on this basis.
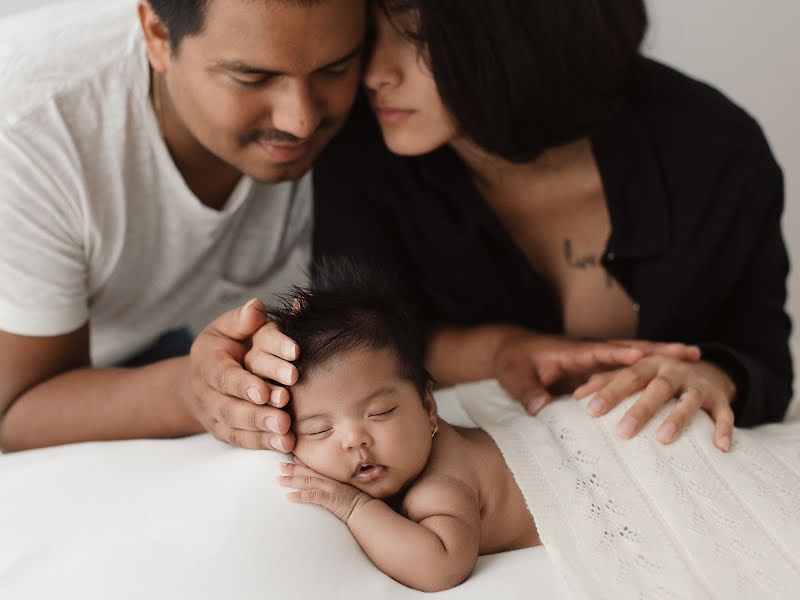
(402, 90)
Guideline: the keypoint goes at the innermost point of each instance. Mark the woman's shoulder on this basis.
(677, 109)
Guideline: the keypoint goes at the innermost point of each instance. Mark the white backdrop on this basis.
(747, 48)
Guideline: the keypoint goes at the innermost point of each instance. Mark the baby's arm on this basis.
(435, 548)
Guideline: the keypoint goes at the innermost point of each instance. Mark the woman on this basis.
(540, 177)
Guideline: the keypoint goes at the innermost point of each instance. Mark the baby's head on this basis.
(362, 409)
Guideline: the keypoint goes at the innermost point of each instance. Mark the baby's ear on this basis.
(429, 400)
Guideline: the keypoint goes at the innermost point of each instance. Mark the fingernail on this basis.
(725, 443)
(627, 426)
(272, 424)
(666, 433)
(277, 443)
(254, 395)
(247, 306)
(275, 397)
(596, 407)
(289, 351)
(536, 404)
(286, 375)
(286, 467)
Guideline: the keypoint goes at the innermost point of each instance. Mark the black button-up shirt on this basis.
(695, 199)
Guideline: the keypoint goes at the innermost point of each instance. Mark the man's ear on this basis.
(156, 37)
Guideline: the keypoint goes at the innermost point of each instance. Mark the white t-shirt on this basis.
(96, 222)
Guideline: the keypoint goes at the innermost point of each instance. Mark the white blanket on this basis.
(195, 518)
(634, 519)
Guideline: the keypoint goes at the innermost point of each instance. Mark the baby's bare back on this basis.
(470, 455)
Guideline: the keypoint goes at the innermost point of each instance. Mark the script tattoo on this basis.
(588, 261)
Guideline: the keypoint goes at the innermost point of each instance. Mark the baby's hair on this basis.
(352, 305)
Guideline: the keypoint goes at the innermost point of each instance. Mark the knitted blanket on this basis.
(635, 519)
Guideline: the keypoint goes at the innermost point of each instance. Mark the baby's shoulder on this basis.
(440, 492)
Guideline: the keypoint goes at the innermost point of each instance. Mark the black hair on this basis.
(352, 305)
(184, 18)
(521, 76)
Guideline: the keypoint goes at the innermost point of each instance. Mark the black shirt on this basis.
(694, 197)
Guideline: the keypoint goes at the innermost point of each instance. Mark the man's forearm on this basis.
(407, 551)
(455, 355)
(101, 404)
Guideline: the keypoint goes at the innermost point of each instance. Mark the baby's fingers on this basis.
(310, 496)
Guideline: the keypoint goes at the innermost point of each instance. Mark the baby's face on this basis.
(358, 421)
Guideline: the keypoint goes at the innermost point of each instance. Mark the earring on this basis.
(435, 431)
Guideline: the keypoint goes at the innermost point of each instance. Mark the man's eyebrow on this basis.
(237, 66)
(384, 390)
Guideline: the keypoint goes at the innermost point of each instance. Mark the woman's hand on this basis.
(529, 365)
(698, 385)
(338, 498)
(236, 405)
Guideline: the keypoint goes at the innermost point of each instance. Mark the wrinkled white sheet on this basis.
(194, 518)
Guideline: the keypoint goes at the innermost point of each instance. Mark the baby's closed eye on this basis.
(383, 413)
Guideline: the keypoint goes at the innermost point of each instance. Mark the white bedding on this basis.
(194, 518)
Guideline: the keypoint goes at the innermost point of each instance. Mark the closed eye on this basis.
(384, 413)
(320, 432)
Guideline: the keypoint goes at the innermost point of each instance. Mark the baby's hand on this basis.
(339, 498)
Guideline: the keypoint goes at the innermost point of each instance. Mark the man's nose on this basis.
(296, 110)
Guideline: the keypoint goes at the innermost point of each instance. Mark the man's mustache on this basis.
(278, 136)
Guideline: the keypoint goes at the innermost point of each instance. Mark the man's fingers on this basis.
(252, 440)
(680, 416)
(238, 414)
(229, 378)
(535, 398)
(516, 376)
(672, 349)
(271, 340)
(598, 355)
(722, 413)
(271, 367)
(240, 323)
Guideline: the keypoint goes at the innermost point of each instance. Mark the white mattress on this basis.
(194, 518)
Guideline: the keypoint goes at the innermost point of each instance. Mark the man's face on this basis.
(358, 421)
(267, 83)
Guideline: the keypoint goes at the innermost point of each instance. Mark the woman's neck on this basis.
(494, 174)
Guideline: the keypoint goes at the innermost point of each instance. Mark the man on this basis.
(152, 175)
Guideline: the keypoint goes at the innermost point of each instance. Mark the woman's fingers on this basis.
(624, 383)
(680, 416)
(658, 392)
(596, 382)
(722, 414)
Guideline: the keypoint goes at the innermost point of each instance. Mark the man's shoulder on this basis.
(58, 50)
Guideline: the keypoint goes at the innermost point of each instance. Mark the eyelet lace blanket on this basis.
(635, 519)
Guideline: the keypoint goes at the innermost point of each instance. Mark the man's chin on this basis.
(277, 173)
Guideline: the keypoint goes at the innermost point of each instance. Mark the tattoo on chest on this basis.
(587, 261)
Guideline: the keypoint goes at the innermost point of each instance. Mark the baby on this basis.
(423, 498)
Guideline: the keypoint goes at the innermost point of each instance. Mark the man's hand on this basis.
(528, 365)
(699, 385)
(338, 498)
(235, 405)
